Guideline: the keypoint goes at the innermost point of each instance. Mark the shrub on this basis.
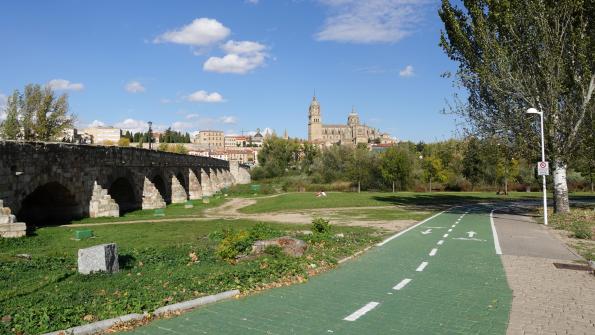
(123, 142)
(262, 231)
(321, 226)
(234, 244)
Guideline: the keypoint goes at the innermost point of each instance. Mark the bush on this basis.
(234, 244)
(123, 142)
(262, 231)
(321, 226)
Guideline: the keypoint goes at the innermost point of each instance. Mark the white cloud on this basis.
(182, 126)
(242, 57)
(96, 123)
(134, 87)
(370, 21)
(407, 71)
(253, 2)
(137, 126)
(204, 96)
(65, 85)
(242, 47)
(200, 32)
(192, 116)
(228, 119)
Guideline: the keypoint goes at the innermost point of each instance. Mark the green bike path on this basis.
(461, 289)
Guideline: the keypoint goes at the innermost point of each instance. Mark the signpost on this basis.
(543, 169)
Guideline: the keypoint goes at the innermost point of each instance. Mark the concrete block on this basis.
(99, 258)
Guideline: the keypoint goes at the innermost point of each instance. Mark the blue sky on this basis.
(234, 64)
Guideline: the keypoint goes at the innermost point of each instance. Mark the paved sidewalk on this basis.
(441, 277)
(546, 300)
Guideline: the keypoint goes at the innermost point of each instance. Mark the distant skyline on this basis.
(234, 65)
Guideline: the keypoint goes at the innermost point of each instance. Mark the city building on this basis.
(257, 139)
(235, 141)
(354, 132)
(103, 134)
(210, 138)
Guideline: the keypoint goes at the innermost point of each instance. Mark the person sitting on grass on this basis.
(321, 194)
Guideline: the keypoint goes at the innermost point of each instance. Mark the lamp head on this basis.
(533, 111)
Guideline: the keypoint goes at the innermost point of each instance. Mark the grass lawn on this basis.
(172, 211)
(580, 223)
(161, 263)
(411, 200)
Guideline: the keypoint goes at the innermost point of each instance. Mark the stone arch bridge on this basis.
(45, 183)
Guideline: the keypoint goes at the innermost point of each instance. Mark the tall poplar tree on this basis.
(514, 55)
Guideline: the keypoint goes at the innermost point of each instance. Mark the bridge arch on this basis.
(122, 191)
(49, 204)
(161, 185)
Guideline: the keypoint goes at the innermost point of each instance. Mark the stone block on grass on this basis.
(99, 258)
(291, 246)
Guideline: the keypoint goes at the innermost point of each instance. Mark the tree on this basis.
(433, 170)
(396, 167)
(358, 166)
(39, 115)
(10, 127)
(473, 164)
(518, 54)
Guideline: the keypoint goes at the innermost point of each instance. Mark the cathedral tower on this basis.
(314, 121)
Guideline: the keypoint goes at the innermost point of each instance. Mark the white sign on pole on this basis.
(543, 169)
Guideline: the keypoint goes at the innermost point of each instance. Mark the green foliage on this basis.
(321, 226)
(38, 115)
(124, 142)
(278, 156)
(160, 264)
(235, 243)
(274, 251)
(10, 127)
(172, 136)
(396, 166)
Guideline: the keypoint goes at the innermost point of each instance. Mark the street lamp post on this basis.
(150, 134)
(535, 111)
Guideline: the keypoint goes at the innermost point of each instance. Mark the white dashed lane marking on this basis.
(357, 314)
(433, 252)
(421, 267)
(445, 235)
(402, 284)
(450, 230)
(440, 242)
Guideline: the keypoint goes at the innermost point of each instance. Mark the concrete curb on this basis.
(186, 305)
(100, 326)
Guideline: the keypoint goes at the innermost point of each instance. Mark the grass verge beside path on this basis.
(379, 214)
(172, 211)
(161, 264)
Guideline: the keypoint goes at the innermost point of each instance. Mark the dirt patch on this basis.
(231, 210)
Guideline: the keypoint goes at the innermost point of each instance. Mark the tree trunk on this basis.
(430, 185)
(359, 186)
(561, 203)
(393, 187)
(505, 186)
